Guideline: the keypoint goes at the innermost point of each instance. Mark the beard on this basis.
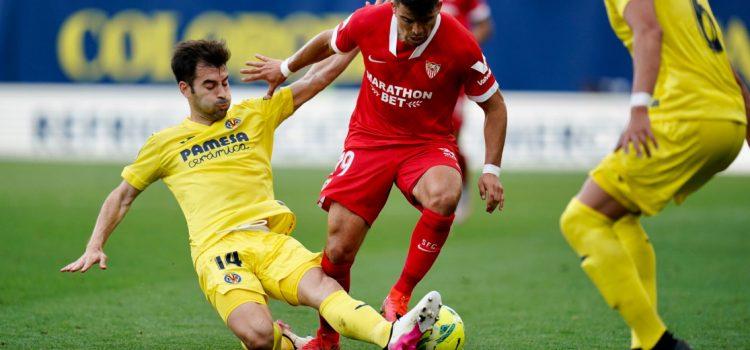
(216, 111)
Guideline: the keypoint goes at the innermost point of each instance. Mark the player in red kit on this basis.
(476, 16)
(417, 61)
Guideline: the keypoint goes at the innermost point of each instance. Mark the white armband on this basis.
(285, 68)
(640, 99)
(491, 169)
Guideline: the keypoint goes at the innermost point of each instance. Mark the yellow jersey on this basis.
(220, 174)
(695, 78)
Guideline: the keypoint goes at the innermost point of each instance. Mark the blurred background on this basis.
(91, 79)
(83, 83)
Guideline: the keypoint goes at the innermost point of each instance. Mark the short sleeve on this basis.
(146, 168)
(346, 34)
(479, 83)
(279, 107)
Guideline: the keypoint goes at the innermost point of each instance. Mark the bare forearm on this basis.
(646, 59)
(320, 76)
(495, 126)
(112, 212)
(314, 51)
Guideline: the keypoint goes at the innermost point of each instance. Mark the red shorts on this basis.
(363, 177)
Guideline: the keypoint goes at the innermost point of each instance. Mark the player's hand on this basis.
(88, 259)
(638, 132)
(377, 2)
(267, 69)
(491, 190)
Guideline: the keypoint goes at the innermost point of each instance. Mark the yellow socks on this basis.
(610, 267)
(636, 243)
(355, 319)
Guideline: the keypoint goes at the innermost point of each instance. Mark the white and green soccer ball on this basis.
(446, 334)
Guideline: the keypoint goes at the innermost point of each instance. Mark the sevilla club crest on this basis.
(432, 69)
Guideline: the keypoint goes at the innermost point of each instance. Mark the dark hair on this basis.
(419, 8)
(188, 54)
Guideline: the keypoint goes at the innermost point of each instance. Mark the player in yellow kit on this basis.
(217, 163)
(688, 121)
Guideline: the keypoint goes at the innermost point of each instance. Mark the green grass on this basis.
(511, 276)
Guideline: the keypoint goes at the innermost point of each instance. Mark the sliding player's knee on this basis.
(259, 337)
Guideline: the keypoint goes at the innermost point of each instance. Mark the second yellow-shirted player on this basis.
(689, 113)
(217, 163)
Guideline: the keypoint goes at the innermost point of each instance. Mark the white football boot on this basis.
(408, 329)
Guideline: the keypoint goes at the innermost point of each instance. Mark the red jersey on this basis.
(408, 94)
(467, 12)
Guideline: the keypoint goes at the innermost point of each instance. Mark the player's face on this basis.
(210, 95)
(413, 29)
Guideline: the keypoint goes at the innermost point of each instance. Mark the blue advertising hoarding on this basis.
(537, 44)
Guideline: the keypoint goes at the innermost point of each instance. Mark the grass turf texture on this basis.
(511, 276)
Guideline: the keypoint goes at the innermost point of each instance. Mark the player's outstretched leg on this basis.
(634, 239)
(357, 320)
(438, 190)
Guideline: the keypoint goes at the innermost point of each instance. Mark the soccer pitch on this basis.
(511, 276)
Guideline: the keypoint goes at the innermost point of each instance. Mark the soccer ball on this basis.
(446, 334)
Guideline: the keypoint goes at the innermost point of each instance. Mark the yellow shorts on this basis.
(689, 154)
(250, 266)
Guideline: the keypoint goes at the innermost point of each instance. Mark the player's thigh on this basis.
(593, 196)
(251, 322)
(361, 182)
(282, 270)
(431, 177)
(219, 276)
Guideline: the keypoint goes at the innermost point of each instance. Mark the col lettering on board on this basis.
(135, 46)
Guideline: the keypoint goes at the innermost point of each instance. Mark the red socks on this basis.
(341, 273)
(426, 241)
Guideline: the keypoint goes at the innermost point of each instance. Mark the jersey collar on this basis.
(195, 125)
(393, 38)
